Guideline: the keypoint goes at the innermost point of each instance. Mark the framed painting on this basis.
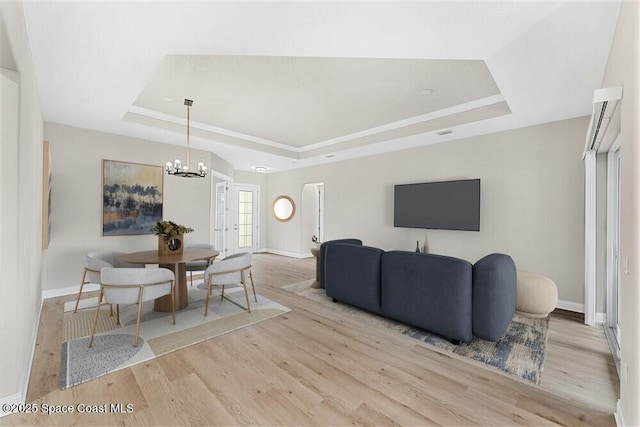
(131, 197)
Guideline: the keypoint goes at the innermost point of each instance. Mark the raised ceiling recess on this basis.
(302, 107)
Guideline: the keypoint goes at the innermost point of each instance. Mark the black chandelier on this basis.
(177, 168)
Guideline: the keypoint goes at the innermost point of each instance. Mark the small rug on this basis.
(519, 352)
(113, 348)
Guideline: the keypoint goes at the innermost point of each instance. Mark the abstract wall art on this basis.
(131, 197)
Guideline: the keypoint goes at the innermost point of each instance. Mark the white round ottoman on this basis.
(537, 295)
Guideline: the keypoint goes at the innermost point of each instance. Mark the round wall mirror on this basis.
(284, 208)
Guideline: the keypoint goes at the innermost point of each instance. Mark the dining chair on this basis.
(134, 286)
(93, 262)
(200, 265)
(234, 269)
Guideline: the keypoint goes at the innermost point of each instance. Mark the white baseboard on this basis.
(619, 415)
(570, 306)
(14, 399)
(19, 398)
(289, 254)
(601, 318)
(34, 341)
(70, 290)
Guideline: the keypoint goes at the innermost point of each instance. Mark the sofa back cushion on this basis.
(323, 254)
(432, 292)
(494, 295)
(352, 275)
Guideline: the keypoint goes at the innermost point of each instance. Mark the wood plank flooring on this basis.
(318, 366)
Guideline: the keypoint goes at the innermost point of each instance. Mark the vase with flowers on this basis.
(169, 236)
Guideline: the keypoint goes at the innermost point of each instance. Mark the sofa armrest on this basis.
(352, 275)
(494, 295)
(323, 254)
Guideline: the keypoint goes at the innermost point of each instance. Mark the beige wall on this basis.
(21, 207)
(623, 69)
(76, 219)
(222, 166)
(532, 200)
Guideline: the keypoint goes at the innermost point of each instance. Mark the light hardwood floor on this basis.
(318, 366)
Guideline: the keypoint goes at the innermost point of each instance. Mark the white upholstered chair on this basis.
(233, 270)
(200, 265)
(134, 286)
(93, 262)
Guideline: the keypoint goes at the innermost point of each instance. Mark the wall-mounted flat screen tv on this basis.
(447, 205)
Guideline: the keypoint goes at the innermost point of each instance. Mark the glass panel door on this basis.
(246, 218)
(221, 227)
(616, 252)
(614, 327)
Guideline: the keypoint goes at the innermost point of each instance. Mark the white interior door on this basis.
(221, 227)
(246, 226)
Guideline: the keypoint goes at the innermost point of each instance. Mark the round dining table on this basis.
(176, 263)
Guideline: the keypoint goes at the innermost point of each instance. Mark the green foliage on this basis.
(169, 229)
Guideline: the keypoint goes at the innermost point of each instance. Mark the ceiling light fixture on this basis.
(260, 169)
(177, 168)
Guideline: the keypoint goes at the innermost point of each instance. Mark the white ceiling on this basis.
(291, 84)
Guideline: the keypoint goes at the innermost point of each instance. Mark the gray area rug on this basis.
(520, 351)
(113, 348)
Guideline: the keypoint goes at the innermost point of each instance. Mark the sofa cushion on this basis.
(494, 295)
(432, 292)
(323, 251)
(352, 275)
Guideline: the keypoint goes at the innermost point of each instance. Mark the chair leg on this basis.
(191, 277)
(206, 304)
(246, 296)
(118, 315)
(135, 343)
(95, 320)
(173, 304)
(110, 307)
(253, 286)
(222, 293)
(82, 282)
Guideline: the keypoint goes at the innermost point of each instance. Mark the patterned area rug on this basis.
(113, 348)
(520, 351)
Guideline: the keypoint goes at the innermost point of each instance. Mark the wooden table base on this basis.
(163, 304)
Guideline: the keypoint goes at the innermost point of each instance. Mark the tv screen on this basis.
(447, 205)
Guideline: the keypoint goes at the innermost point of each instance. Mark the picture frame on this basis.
(132, 197)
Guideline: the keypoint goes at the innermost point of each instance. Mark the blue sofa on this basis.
(441, 294)
(323, 254)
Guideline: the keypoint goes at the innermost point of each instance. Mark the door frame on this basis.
(613, 241)
(256, 221)
(228, 182)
